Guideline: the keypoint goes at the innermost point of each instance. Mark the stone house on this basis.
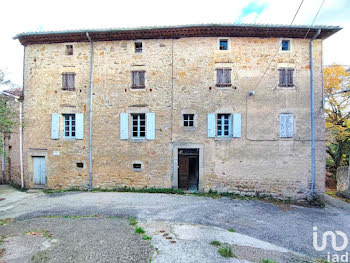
(221, 107)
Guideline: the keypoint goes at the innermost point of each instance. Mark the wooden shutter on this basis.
(227, 76)
(219, 76)
(237, 125)
(211, 125)
(79, 126)
(290, 82)
(282, 77)
(150, 126)
(286, 125)
(142, 79)
(124, 126)
(55, 123)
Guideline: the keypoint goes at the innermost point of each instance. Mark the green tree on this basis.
(336, 82)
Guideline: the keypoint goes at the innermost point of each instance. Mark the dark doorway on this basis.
(188, 173)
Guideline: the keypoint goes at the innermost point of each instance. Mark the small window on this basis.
(136, 166)
(138, 47)
(188, 120)
(68, 81)
(285, 45)
(69, 50)
(286, 78)
(286, 125)
(223, 44)
(138, 79)
(223, 77)
(224, 125)
(138, 125)
(69, 125)
(80, 165)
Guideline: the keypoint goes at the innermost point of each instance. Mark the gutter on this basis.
(312, 98)
(17, 99)
(90, 107)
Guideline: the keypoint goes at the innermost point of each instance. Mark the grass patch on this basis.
(5, 221)
(145, 237)
(43, 233)
(72, 189)
(265, 260)
(2, 240)
(2, 252)
(75, 216)
(139, 230)
(333, 193)
(231, 230)
(141, 190)
(132, 221)
(226, 252)
(215, 243)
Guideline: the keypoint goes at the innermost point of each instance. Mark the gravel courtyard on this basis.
(260, 226)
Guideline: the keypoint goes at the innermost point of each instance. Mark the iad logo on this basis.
(332, 257)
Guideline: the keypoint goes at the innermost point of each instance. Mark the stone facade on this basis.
(180, 77)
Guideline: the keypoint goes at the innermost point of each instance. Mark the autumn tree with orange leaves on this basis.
(337, 110)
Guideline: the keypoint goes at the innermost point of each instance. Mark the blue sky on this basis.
(34, 15)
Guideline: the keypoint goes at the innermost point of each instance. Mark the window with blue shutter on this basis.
(79, 129)
(224, 125)
(124, 126)
(286, 125)
(69, 126)
(55, 124)
(237, 125)
(150, 126)
(211, 125)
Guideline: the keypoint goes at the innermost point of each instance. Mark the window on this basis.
(285, 45)
(286, 125)
(138, 79)
(223, 44)
(223, 77)
(138, 47)
(188, 120)
(138, 125)
(224, 125)
(80, 165)
(68, 81)
(69, 50)
(69, 125)
(286, 77)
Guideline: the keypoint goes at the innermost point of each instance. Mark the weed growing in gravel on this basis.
(215, 243)
(2, 240)
(265, 260)
(226, 252)
(2, 252)
(231, 230)
(44, 233)
(145, 237)
(132, 221)
(5, 221)
(139, 230)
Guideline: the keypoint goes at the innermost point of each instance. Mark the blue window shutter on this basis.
(211, 125)
(79, 126)
(290, 126)
(124, 126)
(150, 126)
(283, 125)
(237, 125)
(55, 124)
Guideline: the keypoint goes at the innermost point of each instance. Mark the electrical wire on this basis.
(279, 46)
(313, 21)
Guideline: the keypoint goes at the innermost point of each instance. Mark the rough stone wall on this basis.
(259, 161)
(343, 179)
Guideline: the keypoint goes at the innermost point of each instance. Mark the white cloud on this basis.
(19, 16)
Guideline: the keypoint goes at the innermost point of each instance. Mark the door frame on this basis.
(30, 176)
(175, 176)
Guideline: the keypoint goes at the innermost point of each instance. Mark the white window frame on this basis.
(222, 130)
(138, 126)
(71, 125)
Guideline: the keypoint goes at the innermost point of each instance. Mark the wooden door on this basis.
(184, 172)
(39, 168)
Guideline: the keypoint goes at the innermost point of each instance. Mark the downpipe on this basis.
(312, 107)
(90, 107)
